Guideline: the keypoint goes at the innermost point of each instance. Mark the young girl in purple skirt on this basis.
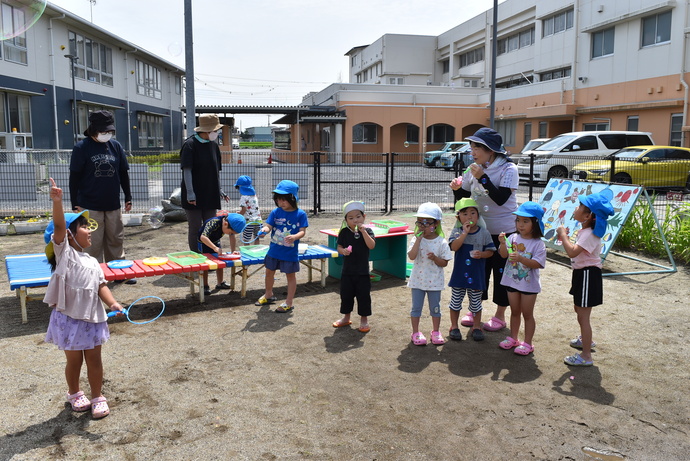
(78, 321)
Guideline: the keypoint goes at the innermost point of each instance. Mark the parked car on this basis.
(650, 166)
(556, 157)
(533, 144)
(461, 158)
(433, 157)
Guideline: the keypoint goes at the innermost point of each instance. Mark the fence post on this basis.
(386, 184)
(317, 182)
(613, 168)
(392, 157)
(530, 182)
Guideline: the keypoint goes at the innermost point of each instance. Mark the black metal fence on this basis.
(388, 182)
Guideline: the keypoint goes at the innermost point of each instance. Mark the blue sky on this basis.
(268, 52)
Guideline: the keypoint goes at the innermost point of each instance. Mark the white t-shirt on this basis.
(426, 275)
(251, 204)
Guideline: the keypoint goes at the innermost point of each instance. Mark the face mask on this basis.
(213, 135)
(104, 137)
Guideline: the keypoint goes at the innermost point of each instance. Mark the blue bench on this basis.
(24, 272)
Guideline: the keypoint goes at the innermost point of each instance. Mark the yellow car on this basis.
(651, 166)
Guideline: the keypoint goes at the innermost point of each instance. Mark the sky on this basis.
(262, 53)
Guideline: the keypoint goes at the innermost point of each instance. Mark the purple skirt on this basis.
(69, 334)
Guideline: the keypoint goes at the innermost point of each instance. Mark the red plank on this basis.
(108, 272)
(148, 272)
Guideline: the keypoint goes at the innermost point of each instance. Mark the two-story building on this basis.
(38, 93)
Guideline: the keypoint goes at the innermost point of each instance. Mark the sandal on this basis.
(418, 339)
(455, 334)
(467, 320)
(437, 338)
(99, 407)
(340, 323)
(508, 343)
(283, 308)
(264, 300)
(364, 328)
(223, 286)
(576, 361)
(577, 343)
(494, 324)
(524, 349)
(79, 401)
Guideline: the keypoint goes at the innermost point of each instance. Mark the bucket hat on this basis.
(466, 202)
(351, 206)
(236, 222)
(490, 138)
(100, 121)
(208, 123)
(433, 211)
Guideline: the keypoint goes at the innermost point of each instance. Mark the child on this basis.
(586, 286)
(354, 243)
(526, 254)
(210, 236)
(249, 208)
(76, 293)
(430, 253)
(287, 224)
(472, 244)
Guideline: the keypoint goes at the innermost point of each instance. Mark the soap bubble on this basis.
(406, 144)
(500, 270)
(469, 280)
(468, 262)
(175, 49)
(156, 217)
(486, 207)
(483, 180)
(24, 14)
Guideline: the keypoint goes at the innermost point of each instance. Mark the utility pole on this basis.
(189, 67)
(494, 49)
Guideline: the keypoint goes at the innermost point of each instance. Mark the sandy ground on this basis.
(229, 380)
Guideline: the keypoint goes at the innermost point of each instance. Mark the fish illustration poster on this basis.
(560, 198)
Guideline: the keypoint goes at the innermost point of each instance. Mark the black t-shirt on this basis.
(357, 263)
(205, 162)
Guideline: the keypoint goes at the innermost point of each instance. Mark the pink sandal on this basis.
(418, 339)
(99, 407)
(78, 401)
(494, 324)
(508, 343)
(524, 349)
(467, 320)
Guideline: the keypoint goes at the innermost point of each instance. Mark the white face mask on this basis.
(213, 135)
(104, 137)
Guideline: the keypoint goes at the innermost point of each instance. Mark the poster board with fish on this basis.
(560, 198)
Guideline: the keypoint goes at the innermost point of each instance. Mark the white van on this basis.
(556, 157)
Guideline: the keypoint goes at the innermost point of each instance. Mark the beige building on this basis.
(562, 65)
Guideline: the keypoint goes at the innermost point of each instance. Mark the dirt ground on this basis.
(229, 380)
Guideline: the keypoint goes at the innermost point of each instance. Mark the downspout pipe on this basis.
(53, 84)
(129, 121)
(683, 68)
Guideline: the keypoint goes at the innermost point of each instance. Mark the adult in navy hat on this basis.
(98, 170)
(492, 181)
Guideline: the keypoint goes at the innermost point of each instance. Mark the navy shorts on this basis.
(587, 287)
(286, 267)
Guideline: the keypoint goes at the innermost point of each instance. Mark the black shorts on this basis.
(587, 287)
(514, 290)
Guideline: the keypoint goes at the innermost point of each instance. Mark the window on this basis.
(15, 113)
(595, 126)
(445, 66)
(178, 84)
(676, 130)
(396, 80)
(412, 135)
(471, 57)
(584, 143)
(527, 133)
(516, 41)
(543, 129)
(438, 134)
(150, 129)
(95, 62)
(633, 123)
(602, 43)
(557, 23)
(563, 72)
(364, 133)
(656, 29)
(14, 48)
(353, 61)
(516, 80)
(507, 130)
(149, 80)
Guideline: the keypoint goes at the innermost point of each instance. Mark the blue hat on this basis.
(532, 210)
(490, 138)
(236, 222)
(286, 187)
(69, 219)
(600, 205)
(245, 184)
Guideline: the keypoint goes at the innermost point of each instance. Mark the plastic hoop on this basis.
(126, 310)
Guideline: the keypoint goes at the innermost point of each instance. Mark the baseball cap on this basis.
(286, 187)
(600, 205)
(69, 219)
(236, 222)
(531, 210)
(244, 183)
